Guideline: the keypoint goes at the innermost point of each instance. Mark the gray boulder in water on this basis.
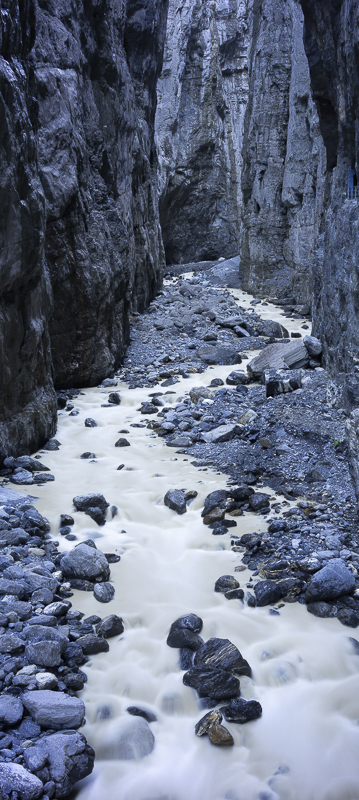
(85, 562)
(131, 740)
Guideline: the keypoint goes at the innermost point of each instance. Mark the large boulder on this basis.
(273, 329)
(15, 781)
(313, 346)
(176, 501)
(212, 682)
(85, 562)
(216, 499)
(67, 756)
(224, 433)
(219, 355)
(222, 654)
(291, 355)
(11, 709)
(54, 709)
(330, 582)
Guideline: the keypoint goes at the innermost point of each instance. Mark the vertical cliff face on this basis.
(331, 37)
(284, 162)
(94, 70)
(202, 96)
(79, 227)
(27, 399)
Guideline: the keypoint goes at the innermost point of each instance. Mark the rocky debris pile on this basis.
(25, 471)
(293, 443)
(212, 668)
(44, 642)
(198, 325)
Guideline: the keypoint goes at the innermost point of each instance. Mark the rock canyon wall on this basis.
(284, 157)
(81, 243)
(202, 97)
(241, 157)
(248, 152)
(331, 41)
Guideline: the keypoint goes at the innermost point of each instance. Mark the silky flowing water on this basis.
(305, 671)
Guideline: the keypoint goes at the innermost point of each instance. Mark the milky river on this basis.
(305, 671)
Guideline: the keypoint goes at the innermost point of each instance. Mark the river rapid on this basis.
(305, 671)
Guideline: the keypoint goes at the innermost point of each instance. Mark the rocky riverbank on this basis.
(43, 644)
(283, 431)
(287, 514)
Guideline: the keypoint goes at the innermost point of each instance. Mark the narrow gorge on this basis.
(179, 420)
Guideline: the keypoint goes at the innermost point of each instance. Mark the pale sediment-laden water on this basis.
(305, 671)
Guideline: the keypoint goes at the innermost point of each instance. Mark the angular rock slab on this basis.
(330, 582)
(54, 709)
(224, 433)
(292, 355)
(222, 654)
(176, 501)
(211, 682)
